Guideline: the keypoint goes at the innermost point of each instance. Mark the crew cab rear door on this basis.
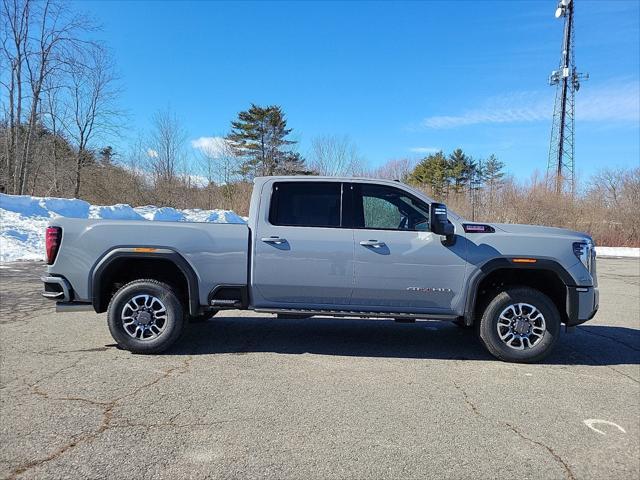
(302, 257)
(400, 265)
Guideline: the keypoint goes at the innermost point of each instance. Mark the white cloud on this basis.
(213, 146)
(424, 149)
(151, 153)
(614, 102)
(617, 103)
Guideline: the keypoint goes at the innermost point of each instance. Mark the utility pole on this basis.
(561, 163)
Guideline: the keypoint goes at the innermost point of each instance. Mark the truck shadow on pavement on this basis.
(587, 345)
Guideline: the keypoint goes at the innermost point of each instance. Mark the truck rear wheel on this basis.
(145, 316)
(520, 325)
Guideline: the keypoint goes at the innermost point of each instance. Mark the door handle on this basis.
(276, 240)
(372, 243)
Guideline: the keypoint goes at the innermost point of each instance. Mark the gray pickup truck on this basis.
(345, 247)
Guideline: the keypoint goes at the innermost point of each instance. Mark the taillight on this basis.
(52, 242)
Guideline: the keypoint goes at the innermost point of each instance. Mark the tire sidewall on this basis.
(489, 332)
(175, 317)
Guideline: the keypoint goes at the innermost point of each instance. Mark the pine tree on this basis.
(493, 174)
(493, 177)
(259, 137)
(461, 168)
(432, 173)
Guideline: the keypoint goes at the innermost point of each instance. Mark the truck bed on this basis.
(217, 252)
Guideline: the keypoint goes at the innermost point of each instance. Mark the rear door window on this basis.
(306, 204)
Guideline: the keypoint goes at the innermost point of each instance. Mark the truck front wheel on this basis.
(145, 316)
(520, 325)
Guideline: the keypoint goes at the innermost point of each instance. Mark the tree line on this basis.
(59, 98)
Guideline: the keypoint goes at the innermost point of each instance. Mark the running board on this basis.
(226, 303)
(73, 307)
(355, 313)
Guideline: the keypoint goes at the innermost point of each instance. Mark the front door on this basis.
(303, 257)
(400, 265)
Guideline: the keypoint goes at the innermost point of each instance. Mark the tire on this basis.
(532, 338)
(157, 328)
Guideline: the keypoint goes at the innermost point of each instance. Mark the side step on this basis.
(226, 303)
(401, 317)
(73, 307)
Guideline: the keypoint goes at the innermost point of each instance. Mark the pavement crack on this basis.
(468, 401)
(107, 414)
(568, 472)
(567, 469)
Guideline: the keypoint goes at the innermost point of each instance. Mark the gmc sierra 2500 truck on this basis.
(346, 247)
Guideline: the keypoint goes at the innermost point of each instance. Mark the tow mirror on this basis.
(440, 225)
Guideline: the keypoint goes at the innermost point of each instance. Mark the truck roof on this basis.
(259, 181)
(320, 178)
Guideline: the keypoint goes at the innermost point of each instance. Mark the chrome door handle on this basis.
(276, 240)
(372, 243)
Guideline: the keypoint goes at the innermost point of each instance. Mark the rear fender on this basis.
(153, 253)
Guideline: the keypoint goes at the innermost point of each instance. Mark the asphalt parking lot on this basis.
(249, 396)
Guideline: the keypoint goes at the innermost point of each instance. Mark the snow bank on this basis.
(114, 212)
(618, 252)
(162, 214)
(23, 220)
(21, 237)
(213, 216)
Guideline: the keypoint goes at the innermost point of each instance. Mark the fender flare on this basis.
(154, 253)
(541, 264)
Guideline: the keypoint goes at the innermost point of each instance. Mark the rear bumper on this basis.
(57, 288)
(582, 304)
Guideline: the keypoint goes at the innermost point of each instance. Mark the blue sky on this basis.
(401, 79)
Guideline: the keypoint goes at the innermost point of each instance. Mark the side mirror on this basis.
(440, 225)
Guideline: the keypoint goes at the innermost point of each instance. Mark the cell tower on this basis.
(561, 164)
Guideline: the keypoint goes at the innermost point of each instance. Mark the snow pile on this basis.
(162, 214)
(618, 252)
(114, 212)
(21, 237)
(213, 216)
(23, 220)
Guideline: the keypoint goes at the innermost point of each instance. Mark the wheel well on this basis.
(123, 270)
(545, 281)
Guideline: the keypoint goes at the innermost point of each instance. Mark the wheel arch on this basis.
(545, 275)
(99, 277)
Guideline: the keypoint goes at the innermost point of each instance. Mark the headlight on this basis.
(585, 252)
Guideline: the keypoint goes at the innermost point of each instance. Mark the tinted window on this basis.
(386, 208)
(305, 204)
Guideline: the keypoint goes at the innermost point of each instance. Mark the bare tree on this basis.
(15, 30)
(166, 146)
(167, 159)
(398, 169)
(41, 39)
(54, 115)
(92, 95)
(220, 165)
(335, 155)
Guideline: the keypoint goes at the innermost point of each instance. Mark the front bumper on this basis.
(582, 304)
